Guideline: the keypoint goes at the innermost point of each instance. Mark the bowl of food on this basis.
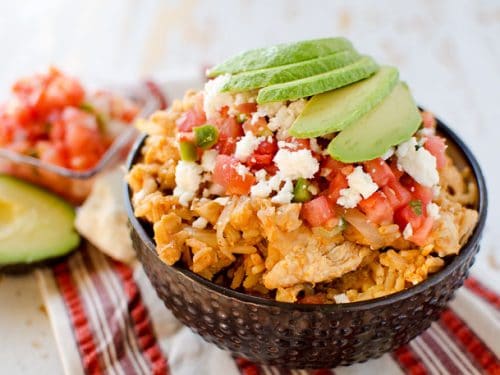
(57, 134)
(301, 210)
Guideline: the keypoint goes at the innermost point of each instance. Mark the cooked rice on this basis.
(252, 245)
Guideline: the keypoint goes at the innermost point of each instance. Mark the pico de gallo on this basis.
(50, 116)
(252, 157)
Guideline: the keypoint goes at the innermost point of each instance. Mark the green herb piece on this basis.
(301, 191)
(188, 151)
(416, 206)
(206, 136)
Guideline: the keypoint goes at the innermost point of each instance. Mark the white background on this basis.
(448, 52)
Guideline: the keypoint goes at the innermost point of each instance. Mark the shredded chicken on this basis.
(315, 265)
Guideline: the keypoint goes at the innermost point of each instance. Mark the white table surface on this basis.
(448, 52)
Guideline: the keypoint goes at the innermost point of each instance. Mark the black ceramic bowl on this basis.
(307, 336)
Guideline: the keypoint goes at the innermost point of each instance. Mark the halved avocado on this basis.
(35, 225)
(281, 54)
(391, 122)
(334, 110)
(319, 83)
(291, 72)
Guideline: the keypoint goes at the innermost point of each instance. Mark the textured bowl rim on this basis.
(344, 307)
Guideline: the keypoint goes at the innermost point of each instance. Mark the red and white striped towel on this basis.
(107, 319)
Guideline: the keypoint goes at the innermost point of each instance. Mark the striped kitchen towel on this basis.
(107, 319)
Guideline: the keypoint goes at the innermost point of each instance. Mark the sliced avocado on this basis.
(291, 72)
(281, 54)
(391, 122)
(334, 110)
(319, 83)
(35, 225)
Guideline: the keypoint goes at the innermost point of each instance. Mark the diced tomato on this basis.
(229, 131)
(190, 119)
(258, 127)
(417, 190)
(420, 235)
(332, 165)
(226, 146)
(437, 147)
(380, 171)
(377, 208)
(317, 211)
(247, 108)
(226, 175)
(397, 194)
(271, 169)
(260, 160)
(393, 164)
(229, 128)
(47, 92)
(407, 215)
(338, 183)
(267, 147)
(428, 119)
(264, 154)
(53, 153)
(299, 143)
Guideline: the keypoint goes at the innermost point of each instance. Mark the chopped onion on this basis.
(369, 230)
(223, 220)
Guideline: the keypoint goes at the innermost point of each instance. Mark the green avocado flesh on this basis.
(34, 224)
(334, 110)
(281, 54)
(391, 122)
(319, 83)
(291, 72)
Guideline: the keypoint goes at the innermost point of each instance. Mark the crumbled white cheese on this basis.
(208, 160)
(315, 146)
(408, 231)
(296, 164)
(269, 109)
(187, 181)
(200, 223)
(349, 198)
(433, 210)
(246, 146)
(214, 99)
(284, 118)
(388, 153)
(289, 145)
(285, 195)
(242, 170)
(260, 175)
(297, 107)
(261, 189)
(341, 298)
(362, 182)
(419, 164)
(275, 181)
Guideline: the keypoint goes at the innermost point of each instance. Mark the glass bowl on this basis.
(75, 185)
